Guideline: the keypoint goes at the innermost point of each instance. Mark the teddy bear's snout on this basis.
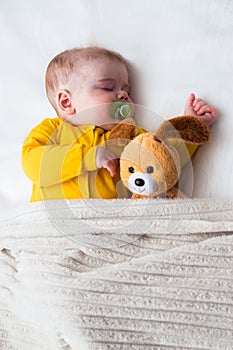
(141, 183)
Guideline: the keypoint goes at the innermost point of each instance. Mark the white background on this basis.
(175, 46)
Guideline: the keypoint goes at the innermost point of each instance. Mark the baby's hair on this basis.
(65, 63)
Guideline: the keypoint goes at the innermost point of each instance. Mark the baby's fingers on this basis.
(111, 166)
(196, 101)
(203, 109)
(199, 105)
(208, 118)
(213, 111)
(208, 110)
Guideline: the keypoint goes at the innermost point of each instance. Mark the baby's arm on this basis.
(48, 163)
(107, 159)
(201, 109)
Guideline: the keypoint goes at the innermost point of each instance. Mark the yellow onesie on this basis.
(60, 160)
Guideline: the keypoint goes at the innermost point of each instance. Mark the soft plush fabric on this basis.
(120, 274)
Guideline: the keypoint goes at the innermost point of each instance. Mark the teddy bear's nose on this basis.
(139, 182)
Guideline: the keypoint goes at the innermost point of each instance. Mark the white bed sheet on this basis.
(175, 46)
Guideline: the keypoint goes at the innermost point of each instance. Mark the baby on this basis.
(67, 157)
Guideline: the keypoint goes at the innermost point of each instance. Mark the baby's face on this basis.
(100, 82)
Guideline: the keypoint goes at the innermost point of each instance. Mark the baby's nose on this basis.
(122, 95)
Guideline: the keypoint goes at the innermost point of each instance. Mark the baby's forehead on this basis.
(99, 62)
(101, 66)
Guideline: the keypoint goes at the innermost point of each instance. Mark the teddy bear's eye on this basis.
(150, 169)
(131, 169)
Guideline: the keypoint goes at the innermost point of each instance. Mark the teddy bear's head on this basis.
(150, 165)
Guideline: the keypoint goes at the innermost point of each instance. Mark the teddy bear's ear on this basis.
(189, 128)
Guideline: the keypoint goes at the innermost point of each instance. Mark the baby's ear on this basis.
(188, 128)
(64, 103)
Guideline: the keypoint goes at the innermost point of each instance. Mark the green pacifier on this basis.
(119, 110)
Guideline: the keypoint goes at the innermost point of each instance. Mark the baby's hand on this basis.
(107, 159)
(199, 108)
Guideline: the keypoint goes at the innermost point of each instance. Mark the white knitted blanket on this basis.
(117, 274)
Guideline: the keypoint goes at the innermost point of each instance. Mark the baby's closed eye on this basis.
(105, 85)
(106, 89)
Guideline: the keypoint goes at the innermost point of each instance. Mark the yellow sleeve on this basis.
(185, 150)
(47, 163)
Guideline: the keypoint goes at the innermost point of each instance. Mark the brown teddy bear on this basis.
(150, 164)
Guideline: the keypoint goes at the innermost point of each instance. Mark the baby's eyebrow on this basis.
(105, 80)
(111, 80)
